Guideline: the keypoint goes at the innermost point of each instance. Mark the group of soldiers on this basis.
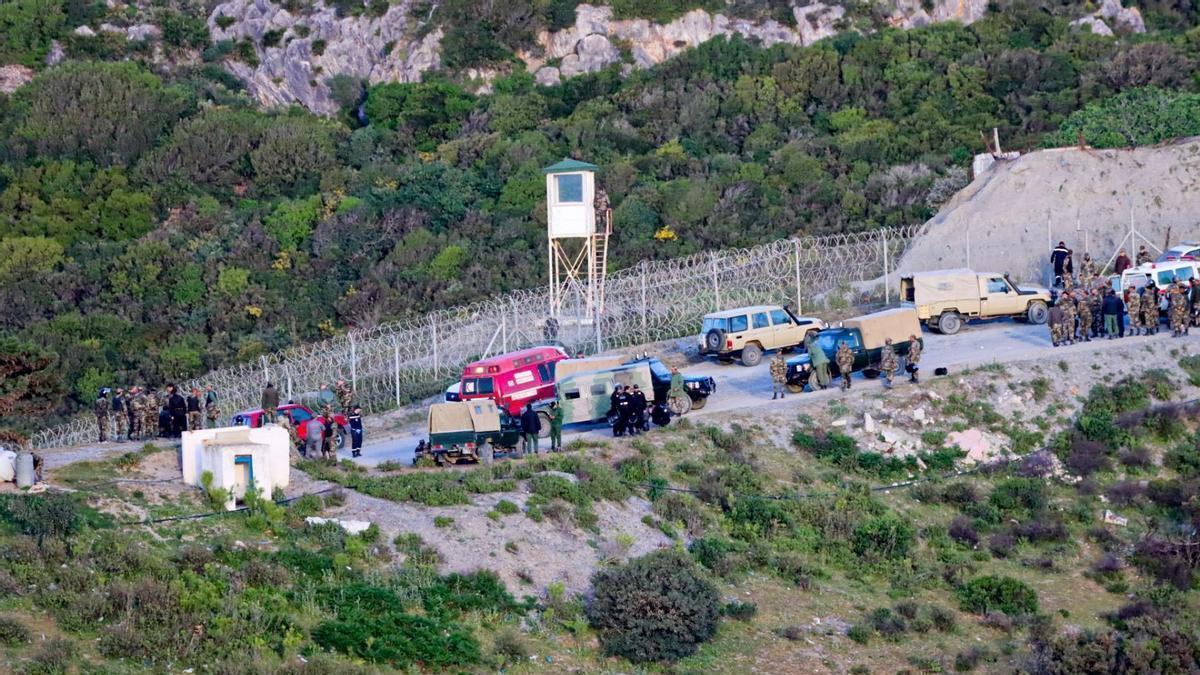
(889, 363)
(1091, 309)
(144, 414)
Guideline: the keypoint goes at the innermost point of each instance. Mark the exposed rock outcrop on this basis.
(14, 77)
(297, 54)
(1112, 17)
(307, 50)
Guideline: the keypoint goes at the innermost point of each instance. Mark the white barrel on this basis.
(25, 469)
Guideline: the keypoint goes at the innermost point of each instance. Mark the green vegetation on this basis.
(202, 232)
(655, 608)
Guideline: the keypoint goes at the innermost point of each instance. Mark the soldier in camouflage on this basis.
(102, 409)
(118, 414)
(150, 414)
(914, 358)
(345, 395)
(888, 363)
(845, 363)
(1068, 324)
(778, 376)
(1087, 271)
(1083, 307)
(1177, 304)
(1133, 309)
(136, 405)
(1097, 306)
(211, 409)
(1149, 302)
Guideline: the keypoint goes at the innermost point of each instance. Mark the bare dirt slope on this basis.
(999, 221)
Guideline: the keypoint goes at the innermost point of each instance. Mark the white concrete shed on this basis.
(237, 456)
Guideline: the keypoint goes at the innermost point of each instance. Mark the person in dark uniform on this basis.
(637, 410)
(614, 410)
(621, 405)
(356, 431)
(164, 420)
(177, 406)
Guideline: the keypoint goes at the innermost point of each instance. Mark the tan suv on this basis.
(749, 331)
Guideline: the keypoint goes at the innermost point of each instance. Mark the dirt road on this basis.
(740, 388)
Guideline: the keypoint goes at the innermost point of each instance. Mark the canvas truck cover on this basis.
(584, 396)
(897, 324)
(944, 285)
(445, 417)
(569, 367)
(484, 415)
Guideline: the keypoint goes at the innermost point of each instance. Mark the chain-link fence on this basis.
(405, 360)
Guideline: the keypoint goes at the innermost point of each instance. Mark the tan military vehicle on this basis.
(945, 298)
(749, 331)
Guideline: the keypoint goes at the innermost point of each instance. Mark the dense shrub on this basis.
(962, 531)
(1019, 496)
(398, 639)
(885, 536)
(12, 632)
(1087, 457)
(997, 594)
(654, 608)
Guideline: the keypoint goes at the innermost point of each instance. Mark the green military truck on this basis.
(866, 336)
(467, 431)
(585, 386)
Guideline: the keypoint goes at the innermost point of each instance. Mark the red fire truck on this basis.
(512, 379)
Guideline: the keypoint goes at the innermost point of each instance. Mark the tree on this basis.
(432, 111)
(109, 113)
(29, 385)
(291, 155)
(654, 608)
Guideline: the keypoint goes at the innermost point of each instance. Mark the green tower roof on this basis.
(569, 166)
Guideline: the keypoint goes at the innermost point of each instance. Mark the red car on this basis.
(299, 415)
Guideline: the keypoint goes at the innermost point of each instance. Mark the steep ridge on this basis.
(297, 53)
(1009, 217)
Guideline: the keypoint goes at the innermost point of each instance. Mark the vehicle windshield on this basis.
(477, 385)
(714, 324)
(300, 415)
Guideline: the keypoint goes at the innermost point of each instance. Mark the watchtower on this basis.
(579, 223)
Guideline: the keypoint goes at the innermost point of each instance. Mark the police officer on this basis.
(356, 431)
(637, 409)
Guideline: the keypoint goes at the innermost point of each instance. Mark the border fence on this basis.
(404, 360)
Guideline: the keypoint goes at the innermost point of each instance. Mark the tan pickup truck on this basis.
(945, 298)
(750, 331)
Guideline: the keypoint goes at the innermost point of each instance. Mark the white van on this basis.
(1162, 273)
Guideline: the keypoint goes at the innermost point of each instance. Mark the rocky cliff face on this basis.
(311, 48)
(306, 50)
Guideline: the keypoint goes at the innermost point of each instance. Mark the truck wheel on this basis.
(795, 388)
(698, 403)
(544, 418)
(870, 373)
(1037, 312)
(714, 340)
(751, 355)
(949, 323)
(682, 405)
(339, 441)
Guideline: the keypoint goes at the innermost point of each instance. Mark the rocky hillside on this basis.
(1013, 213)
(296, 52)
